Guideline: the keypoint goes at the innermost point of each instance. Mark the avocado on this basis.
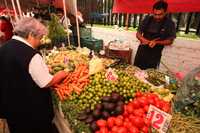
(106, 99)
(120, 103)
(96, 113)
(90, 119)
(99, 106)
(94, 126)
(115, 97)
(118, 110)
(105, 114)
(82, 117)
(110, 106)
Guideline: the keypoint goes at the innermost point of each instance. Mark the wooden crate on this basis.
(121, 54)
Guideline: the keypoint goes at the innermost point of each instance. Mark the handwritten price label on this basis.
(111, 75)
(160, 120)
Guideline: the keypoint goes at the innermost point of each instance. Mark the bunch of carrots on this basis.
(74, 82)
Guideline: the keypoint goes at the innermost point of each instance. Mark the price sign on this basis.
(111, 75)
(160, 120)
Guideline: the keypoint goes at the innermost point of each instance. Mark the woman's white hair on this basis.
(30, 25)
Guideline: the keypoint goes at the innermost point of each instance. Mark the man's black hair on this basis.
(160, 5)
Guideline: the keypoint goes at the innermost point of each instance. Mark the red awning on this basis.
(145, 6)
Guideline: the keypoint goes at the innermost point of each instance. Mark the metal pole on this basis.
(19, 8)
(65, 18)
(77, 25)
(14, 8)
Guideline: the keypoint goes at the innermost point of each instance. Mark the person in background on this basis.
(71, 22)
(25, 93)
(6, 29)
(73, 27)
(154, 33)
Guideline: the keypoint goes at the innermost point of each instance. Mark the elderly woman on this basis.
(25, 99)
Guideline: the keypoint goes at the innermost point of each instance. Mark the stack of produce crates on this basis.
(88, 41)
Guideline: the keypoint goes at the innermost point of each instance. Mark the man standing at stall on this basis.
(25, 97)
(154, 33)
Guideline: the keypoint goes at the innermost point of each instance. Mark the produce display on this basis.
(99, 86)
(93, 102)
(65, 60)
(74, 82)
(184, 124)
(133, 119)
(188, 97)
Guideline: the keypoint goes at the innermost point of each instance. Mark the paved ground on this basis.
(183, 55)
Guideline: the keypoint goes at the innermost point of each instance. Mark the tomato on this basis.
(145, 129)
(135, 104)
(126, 119)
(138, 121)
(97, 132)
(166, 108)
(143, 101)
(111, 122)
(128, 125)
(151, 101)
(115, 129)
(103, 130)
(146, 108)
(119, 121)
(120, 117)
(130, 108)
(138, 94)
(133, 129)
(147, 122)
(139, 112)
(101, 123)
(122, 130)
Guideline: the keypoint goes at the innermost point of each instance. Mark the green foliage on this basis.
(56, 30)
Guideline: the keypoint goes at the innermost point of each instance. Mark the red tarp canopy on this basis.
(145, 6)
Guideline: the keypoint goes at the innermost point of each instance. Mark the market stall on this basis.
(105, 95)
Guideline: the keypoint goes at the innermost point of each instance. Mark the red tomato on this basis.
(151, 101)
(145, 129)
(120, 117)
(122, 130)
(126, 119)
(138, 94)
(146, 108)
(133, 129)
(97, 132)
(111, 122)
(130, 108)
(118, 122)
(115, 129)
(103, 130)
(143, 101)
(138, 122)
(101, 123)
(147, 122)
(128, 125)
(135, 104)
(166, 108)
(139, 112)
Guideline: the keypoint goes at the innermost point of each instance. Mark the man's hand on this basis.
(153, 43)
(144, 41)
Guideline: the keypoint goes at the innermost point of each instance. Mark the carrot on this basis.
(82, 79)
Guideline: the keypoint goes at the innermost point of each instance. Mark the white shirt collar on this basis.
(22, 40)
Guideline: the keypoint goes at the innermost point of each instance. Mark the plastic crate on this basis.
(85, 32)
(92, 43)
